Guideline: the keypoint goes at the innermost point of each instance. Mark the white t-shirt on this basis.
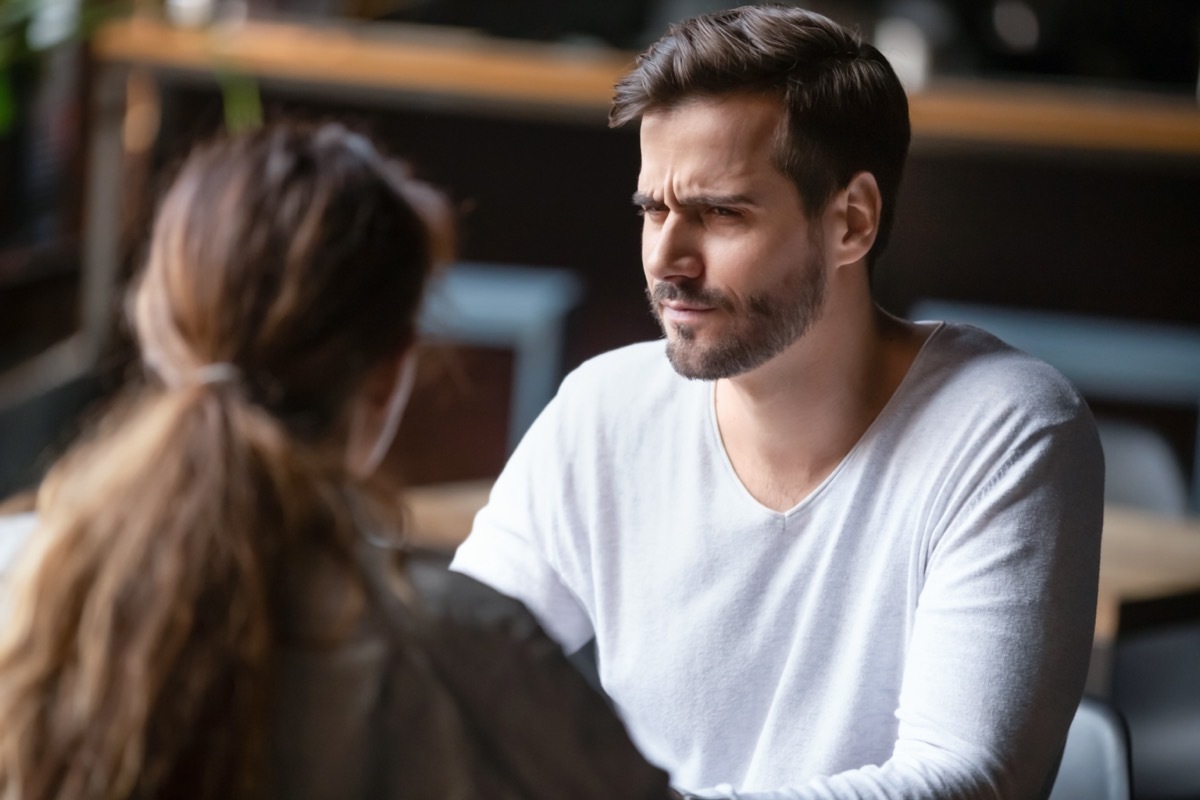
(919, 626)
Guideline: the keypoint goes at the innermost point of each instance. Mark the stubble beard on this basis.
(766, 325)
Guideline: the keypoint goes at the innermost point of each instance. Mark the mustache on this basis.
(685, 293)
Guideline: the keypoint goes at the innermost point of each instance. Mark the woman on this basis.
(211, 605)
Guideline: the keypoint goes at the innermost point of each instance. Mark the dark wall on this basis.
(1095, 233)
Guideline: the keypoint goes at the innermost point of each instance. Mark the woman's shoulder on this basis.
(515, 688)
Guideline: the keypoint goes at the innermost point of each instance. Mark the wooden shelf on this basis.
(1058, 117)
(397, 58)
(461, 66)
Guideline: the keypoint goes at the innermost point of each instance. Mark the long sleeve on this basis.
(512, 546)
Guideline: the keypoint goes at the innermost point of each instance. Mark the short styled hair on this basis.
(846, 109)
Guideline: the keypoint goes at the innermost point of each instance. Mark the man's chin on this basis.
(689, 360)
(696, 361)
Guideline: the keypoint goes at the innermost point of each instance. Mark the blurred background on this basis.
(1025, 210)
(1052, 195)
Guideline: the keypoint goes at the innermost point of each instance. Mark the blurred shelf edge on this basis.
(473, 68)
(1089, 119)
(437, 64)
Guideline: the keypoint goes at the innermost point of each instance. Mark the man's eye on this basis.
(650, 211)
(722, 211)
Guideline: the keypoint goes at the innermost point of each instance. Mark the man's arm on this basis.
(508, 547)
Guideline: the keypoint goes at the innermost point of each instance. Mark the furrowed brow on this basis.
(717, 200)
(643, 200)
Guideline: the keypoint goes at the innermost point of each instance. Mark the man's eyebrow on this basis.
(644, 200)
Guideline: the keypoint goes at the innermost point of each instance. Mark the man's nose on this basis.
(670, 249)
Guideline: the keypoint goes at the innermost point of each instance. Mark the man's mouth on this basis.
(683, 306)
(682, 313)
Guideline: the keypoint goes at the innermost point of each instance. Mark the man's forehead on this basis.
(750, 113)
(712, 146)
(736, 125)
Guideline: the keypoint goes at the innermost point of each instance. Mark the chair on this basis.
(1141, 469)
(1156, 684)
(1095, 763)
(502, 305)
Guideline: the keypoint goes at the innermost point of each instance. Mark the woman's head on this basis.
(296, 254)
(280, 295)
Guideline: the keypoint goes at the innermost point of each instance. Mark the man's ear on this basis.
(857, 211)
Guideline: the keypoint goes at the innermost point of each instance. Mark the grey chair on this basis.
(1156, 684)
(1095, 764)
(1141, 469)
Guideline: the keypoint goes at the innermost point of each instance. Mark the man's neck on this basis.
(788, 424)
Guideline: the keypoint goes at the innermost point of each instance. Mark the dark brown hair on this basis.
(846, 109)
(137, 654)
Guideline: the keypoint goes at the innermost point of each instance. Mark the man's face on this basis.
(734, 271)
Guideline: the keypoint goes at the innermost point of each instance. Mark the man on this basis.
(824, 552)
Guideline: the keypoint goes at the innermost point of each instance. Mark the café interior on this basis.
(1051, 196)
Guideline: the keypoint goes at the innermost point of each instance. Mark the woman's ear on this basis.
(381, 380)
(376, 411)
(858, 208)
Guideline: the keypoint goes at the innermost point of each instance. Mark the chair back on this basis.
(1095, 763)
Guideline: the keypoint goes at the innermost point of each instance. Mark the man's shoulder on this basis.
(965, 364)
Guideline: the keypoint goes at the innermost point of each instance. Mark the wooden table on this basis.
(1144, 558)
(1149, 575)
(442, 513)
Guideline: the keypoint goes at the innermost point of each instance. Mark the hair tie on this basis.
(361, 146)
(219, 372)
